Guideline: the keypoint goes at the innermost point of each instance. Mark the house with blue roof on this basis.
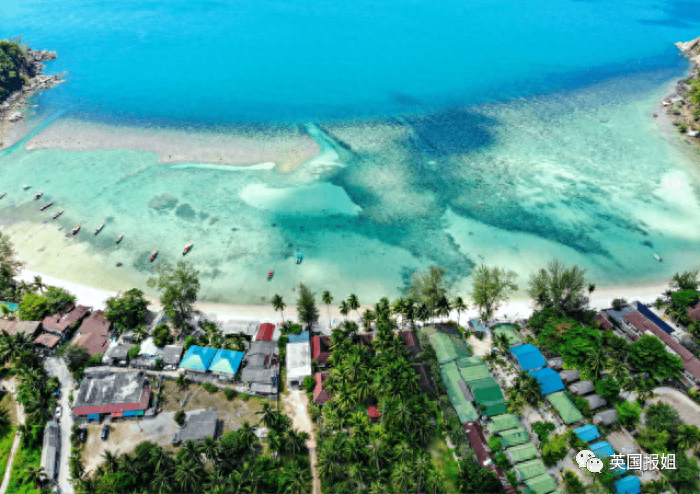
(226, 363)
(549, 380)
(478, 325)
(528, 357)
(628, 485)
(198, 358)
(299, 338)
(602, 449)
(587, 433)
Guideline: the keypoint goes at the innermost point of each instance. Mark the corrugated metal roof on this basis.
(503, 422)
(530, 469)
(513, 437)
(298, 338)
(566, 409)
(542, 484)
(628, 485)
(529, 357)
(549, 380)
(602, 449)
(523, 452)
(587, 433)
(226, 362)
(198, 358)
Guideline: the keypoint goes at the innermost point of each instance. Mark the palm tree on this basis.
(618, 369)
(34, 475)
(140, 333)
(38, 284)
(459, 305)
(211, 449)
(247, 437)
(295, 442)
(182, 381)
(423, 313)
(443, 306)
(399, 308)
(110, 462)
(191, 452)
(433, 480)
(402, 476)
(502, 343)
(268, 416)
(368, 317)
(596, 360)
(344, 309)
(354, 303)
(688, 436)
(296, 480)
(278, 304)
(375, 447)
(327, 299)
(421, 467)
(188, 475)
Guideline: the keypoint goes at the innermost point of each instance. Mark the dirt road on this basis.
(12, 388)
(296, 406)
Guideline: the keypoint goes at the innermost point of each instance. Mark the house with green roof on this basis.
(487, 392)
(470, 362)
(530, 469)
(444, 347)
(542, 484)
(514, 437)
(524, 452)
(475, 373)
(566, 409)
(466, 412)
(503, 422)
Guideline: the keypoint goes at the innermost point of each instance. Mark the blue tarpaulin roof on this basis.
(478, 326)
(93, 416)
(529, 357)
(198, 358)
(550, 382)
(298, 338)
(587, 433)
(628, 485)
(602, 449)
(226, 361)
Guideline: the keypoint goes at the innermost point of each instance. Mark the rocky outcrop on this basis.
(684, 105)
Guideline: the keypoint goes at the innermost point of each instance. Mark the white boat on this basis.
(26, 187)
(3, 195)
(55, 216)
(657, 257)
(99, 228)
(38, 195)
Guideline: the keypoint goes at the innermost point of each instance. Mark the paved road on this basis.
(57, 367)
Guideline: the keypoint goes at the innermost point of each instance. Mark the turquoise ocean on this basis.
(451, 133)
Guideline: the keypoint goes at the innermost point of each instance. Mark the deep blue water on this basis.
(271, 60)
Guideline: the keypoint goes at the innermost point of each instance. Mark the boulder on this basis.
(15, 116)
(693, 133)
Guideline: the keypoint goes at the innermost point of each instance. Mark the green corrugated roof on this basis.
(524, 452)
(509, 331)
(542, 484)
(530, 469)
(470, 362)
(486, 391)
(513, 437)
(475, 373)
(567, 410)
(466, 412)
(503, 422)
(496, 408)
(444, 348)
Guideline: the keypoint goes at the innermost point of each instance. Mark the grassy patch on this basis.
(283, 381)
(6, 438)
(23, 459)
(8, 404)
(443, 459)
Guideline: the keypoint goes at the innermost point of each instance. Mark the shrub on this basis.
(95, 360)
(134, 352)
(189, 341)
(555, 450)
(480, 336)
(542, 429)
(162, 335)
(501, 460)
(245, 396)
(608, 389)
(230, 393)
(628, 414)
(58, 299)
(33, 307)
(180, 418)
(495, 444)
(309, 384)
(512, 478)
(683, 128)
(209, 387)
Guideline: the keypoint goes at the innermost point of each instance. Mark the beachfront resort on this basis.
(430, 392)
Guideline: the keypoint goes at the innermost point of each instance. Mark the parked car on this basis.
(105, 432)
(59, 411)
(83, 435)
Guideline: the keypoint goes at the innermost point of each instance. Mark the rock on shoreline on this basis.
(683, 110)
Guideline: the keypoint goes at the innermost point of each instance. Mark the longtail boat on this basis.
(154, 255)
(99, 228)
(38, 195)
(658, 258)
(188, 247)
(55, 216)
(3, 195)
(46, 206)
(120, 237)
(26, 187)
(299, 257)
(76, 230)
(269, 275)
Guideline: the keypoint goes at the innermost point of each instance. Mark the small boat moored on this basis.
(658, 258)
(38, 195)
(76, 230)
(299, 257)
(3, 195)
(154, 255)
(46, 206)
(120, 237)
(99, 228)
(26, 187)
(269, 275)
(188, 247)
(55, 216)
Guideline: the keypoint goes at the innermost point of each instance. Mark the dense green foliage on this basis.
(475, 479)
(58, 299)
(629, 414)
(555, 449)
(608, 388)
(33, 307)
(560, 289)
(429, 287)
(162, 335)
(490, 287)
(306, 306)
(178, 286)
(649, 354)
(127, 311)
(543, 429)
(13, 66)
(134, 352)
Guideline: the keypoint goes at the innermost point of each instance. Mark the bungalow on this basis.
(225, 364)
(51, 450)
(569, 376)
(48, 341)
(321, 350)
(198, 359)
(298, 363)
(694, 312)
(542, 484)
(582, 388)
(61, 324)
(478, 442)
(566, 409)
(524, 452)
(117, 354)
(514, 437)
(172, 354)
(93, 334)
(556, 363)
(503, 422)
(602, 449)
(247, 328)
(265, 332)
(477, 326)
(28, 328)
(529, 469)
(373, 413)
(528, 357)
(587, 433)
(603, 321)
(198, 426)
(113, 393)
(595, 401)
(411, 341)
(320, 395)
(549, 380)
(605, 417)
(261, 368)
(628, 485)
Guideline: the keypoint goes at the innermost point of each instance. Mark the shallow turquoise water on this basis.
(501, 132)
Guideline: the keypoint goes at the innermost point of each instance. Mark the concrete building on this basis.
(198, 425)
(298, 363)
(51, 451)
(103, 393)
(117, 354)
(172, 355)
(261, 368)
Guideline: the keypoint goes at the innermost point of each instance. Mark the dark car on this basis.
(105, 432)
(83, 435)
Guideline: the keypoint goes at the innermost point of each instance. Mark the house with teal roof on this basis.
(198, 358)
(226, 363)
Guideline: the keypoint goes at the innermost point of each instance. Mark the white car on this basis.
(59, 410)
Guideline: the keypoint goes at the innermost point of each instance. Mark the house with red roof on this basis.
(411, 341)
(47, 340)
(321, 350)
(265, 332)
(93, 334)
(61, 324)
(694, 312)
(120, 394)
(603, 321)
(321, 396)
(374, 413)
